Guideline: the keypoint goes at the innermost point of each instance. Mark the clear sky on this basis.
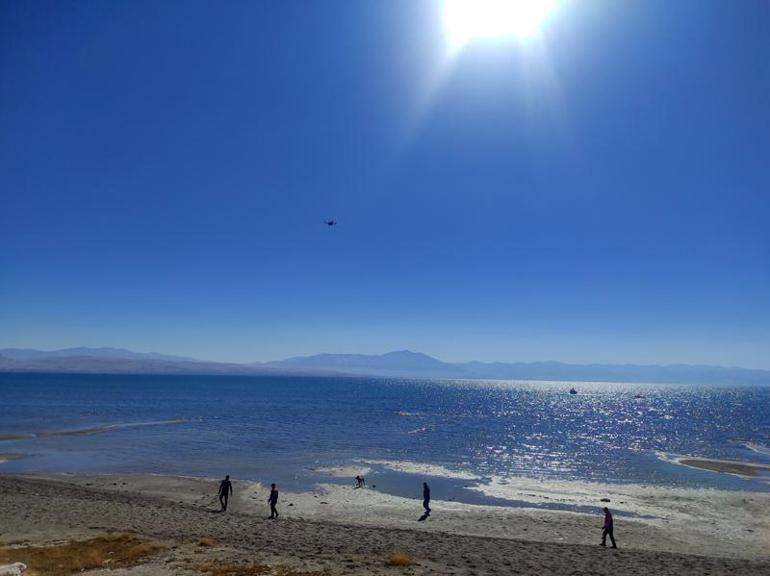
(597, 191)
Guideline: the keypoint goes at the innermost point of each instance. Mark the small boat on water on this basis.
(572, 391)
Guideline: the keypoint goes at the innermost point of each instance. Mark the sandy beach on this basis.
(340, 530)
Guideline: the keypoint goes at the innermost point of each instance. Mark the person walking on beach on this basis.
(225, 491)
(426, 497)
(273, 500)
(607, 530)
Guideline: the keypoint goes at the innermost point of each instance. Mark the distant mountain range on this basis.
(414, 364)
(401, 364)
(122, 353)
(114, 361)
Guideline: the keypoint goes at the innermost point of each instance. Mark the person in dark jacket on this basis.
(426, 497)
(608, 528)
(225, 491)
(273, 500)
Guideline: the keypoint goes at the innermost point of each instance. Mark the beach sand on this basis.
(342, 530)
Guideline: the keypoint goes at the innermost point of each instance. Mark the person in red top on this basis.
(607, 531)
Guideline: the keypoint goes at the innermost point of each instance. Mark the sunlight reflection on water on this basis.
(605, 432)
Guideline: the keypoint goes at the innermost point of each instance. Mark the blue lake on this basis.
(282, 428)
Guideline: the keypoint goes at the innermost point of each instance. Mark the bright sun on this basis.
(465, 20)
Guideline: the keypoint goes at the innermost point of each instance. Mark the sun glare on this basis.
(466, 20)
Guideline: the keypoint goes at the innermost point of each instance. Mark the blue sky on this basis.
(596, 193)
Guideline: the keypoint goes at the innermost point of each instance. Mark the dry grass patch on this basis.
(207, 541)
(65, 559)
(398, 558)
(224, 569)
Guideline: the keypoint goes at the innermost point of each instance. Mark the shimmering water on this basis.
(281, 428)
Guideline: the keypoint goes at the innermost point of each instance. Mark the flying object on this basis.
(331, 222)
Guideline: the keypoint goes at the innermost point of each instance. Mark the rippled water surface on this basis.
(249, 426)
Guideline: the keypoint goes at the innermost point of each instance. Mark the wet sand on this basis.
(352, 531)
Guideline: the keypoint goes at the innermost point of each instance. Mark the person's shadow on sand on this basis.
(424, 517)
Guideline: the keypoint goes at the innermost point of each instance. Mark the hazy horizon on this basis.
(592, 190)
(374, 354)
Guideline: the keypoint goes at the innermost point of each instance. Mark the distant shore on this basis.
(351, 531)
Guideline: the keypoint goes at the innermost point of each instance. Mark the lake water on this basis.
(284, 428)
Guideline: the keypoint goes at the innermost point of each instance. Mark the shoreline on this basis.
(698, 521)
(343, 530)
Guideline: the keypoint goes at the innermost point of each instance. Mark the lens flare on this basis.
(466, 20)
